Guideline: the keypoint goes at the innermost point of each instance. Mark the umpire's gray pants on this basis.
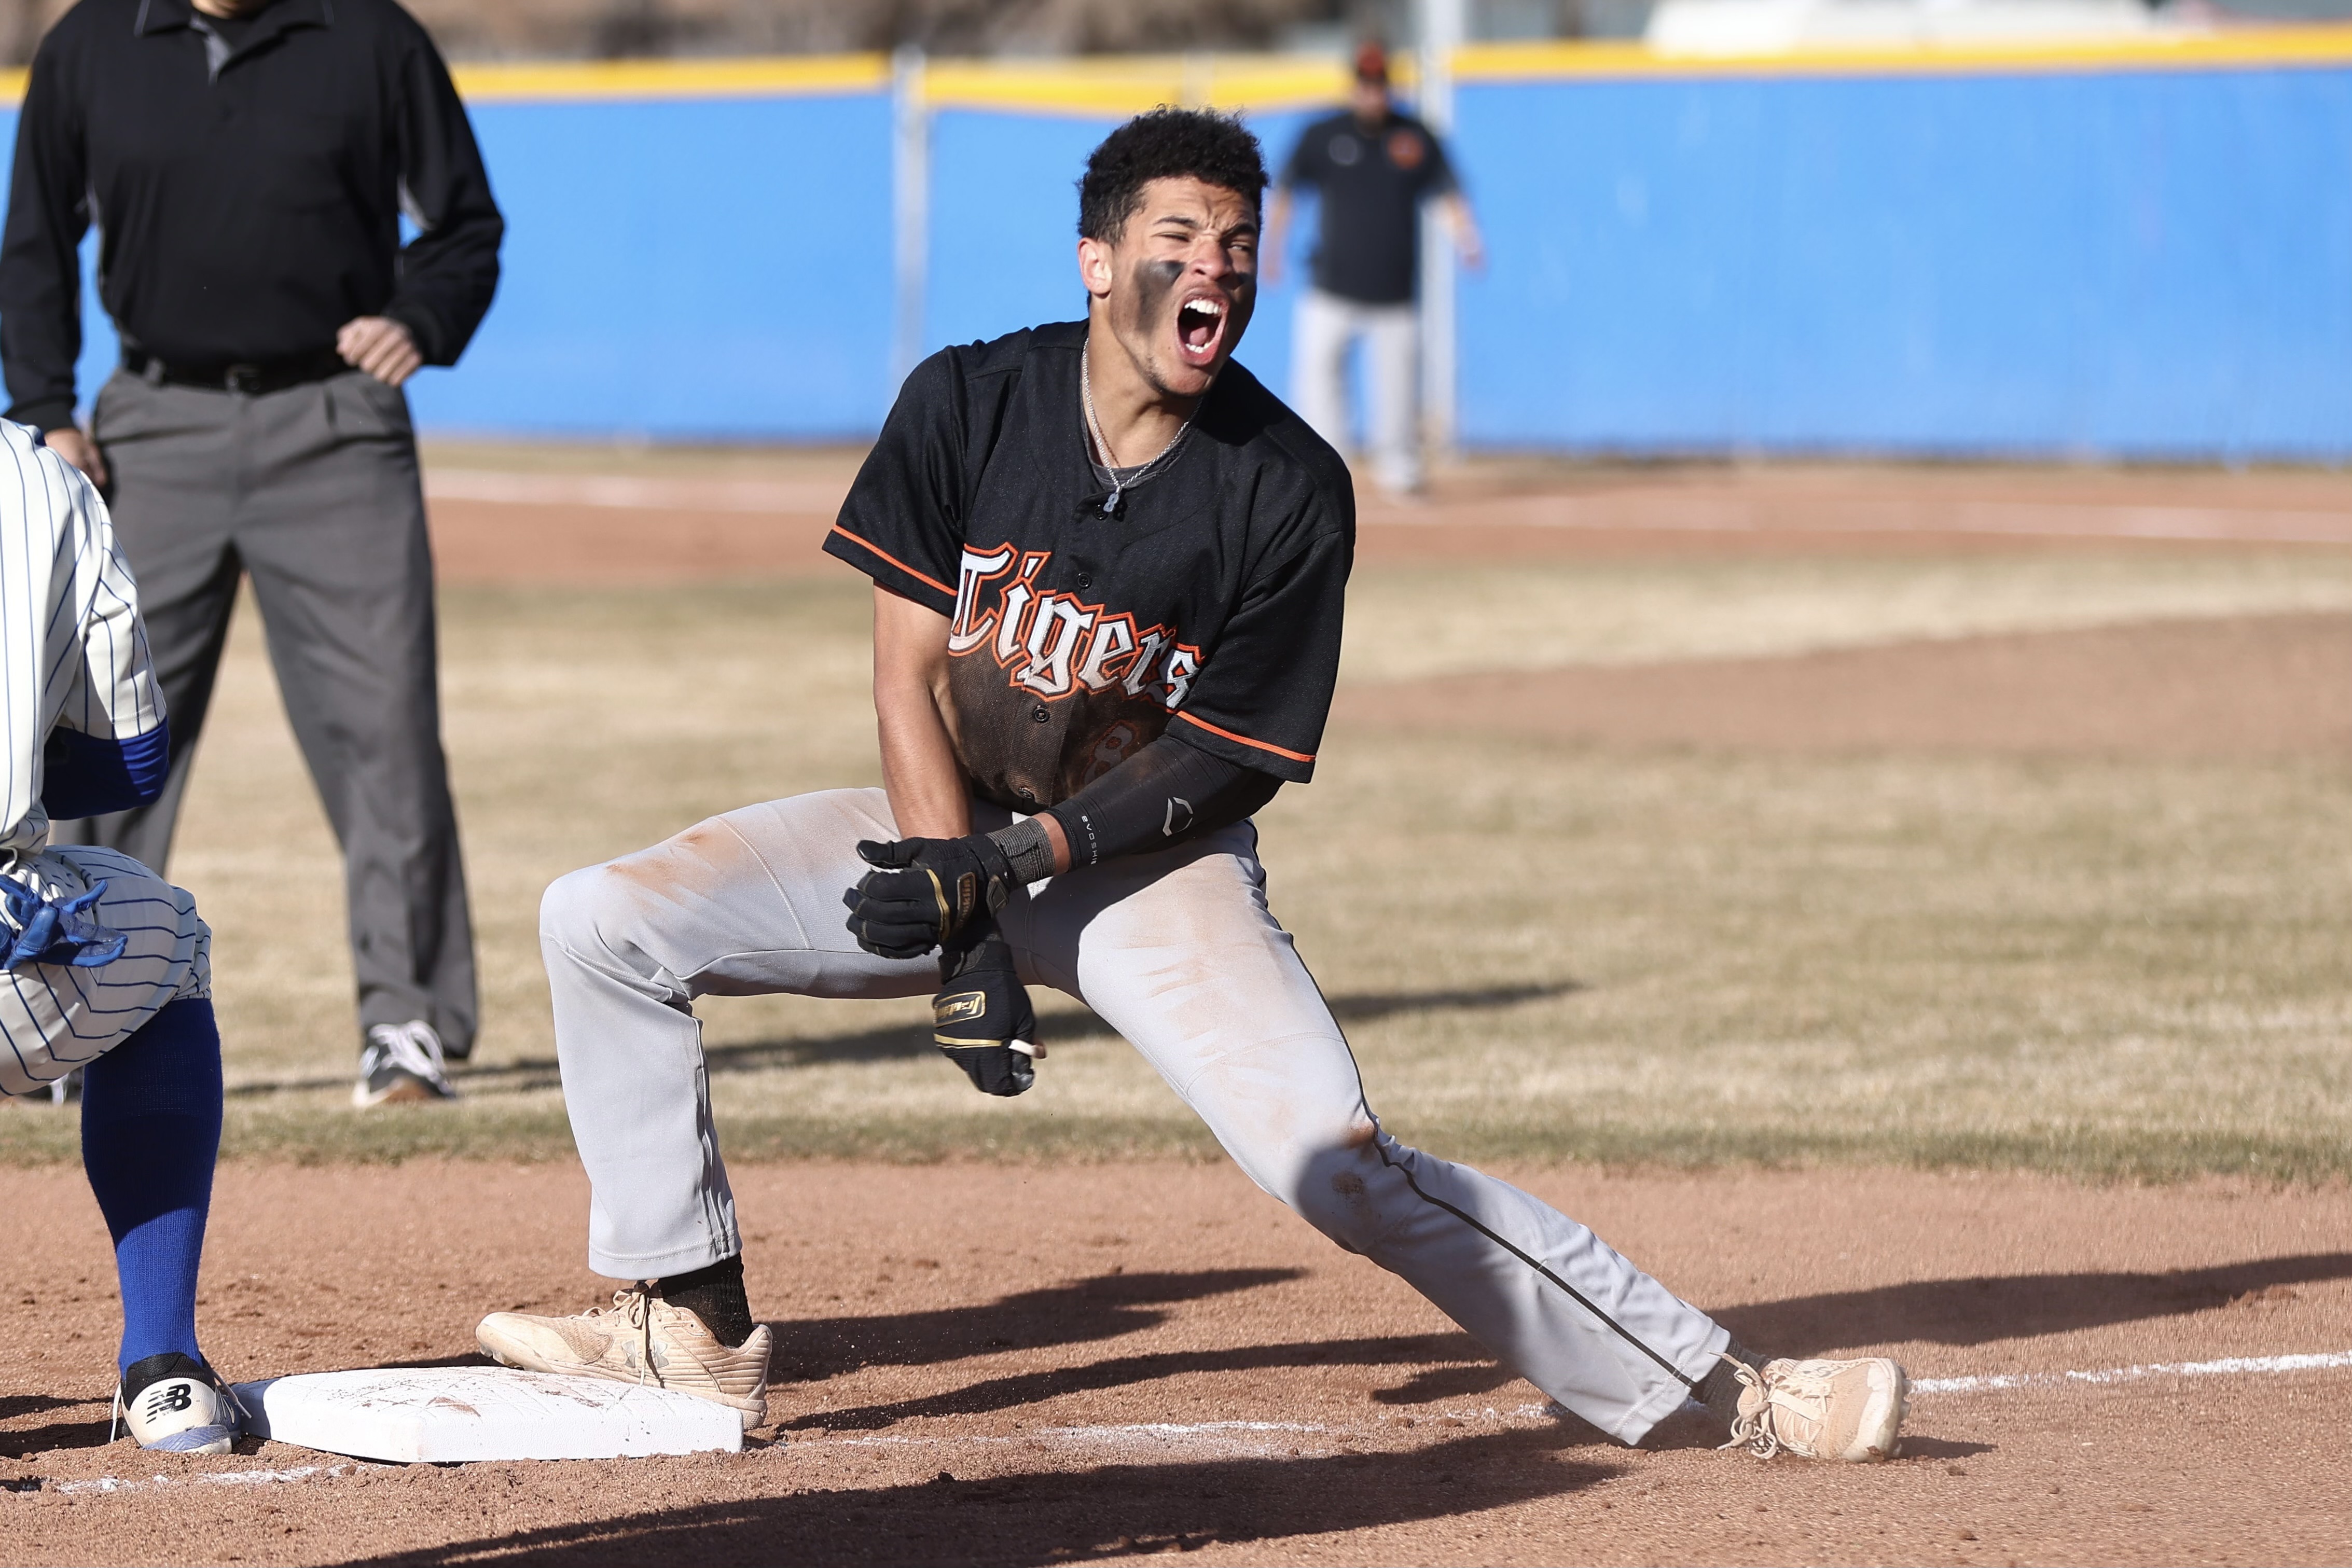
(1175, 950)
(314, 493)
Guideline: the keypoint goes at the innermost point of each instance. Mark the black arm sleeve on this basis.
(1164, 794)
(40, 273)
(450, 270)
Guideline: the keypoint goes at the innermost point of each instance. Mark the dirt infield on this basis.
(1024, 1361)
(683, 519)
(2269, 686)
(1036, 1364)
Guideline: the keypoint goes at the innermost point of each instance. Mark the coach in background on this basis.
(247, 166)
(1372, 167)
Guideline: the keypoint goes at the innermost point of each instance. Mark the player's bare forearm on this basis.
(919, 770)
(928, 798)
(1463, 225)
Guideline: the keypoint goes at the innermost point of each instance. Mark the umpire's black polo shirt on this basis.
(1208, 606)
(249, 207)
(1372, 180)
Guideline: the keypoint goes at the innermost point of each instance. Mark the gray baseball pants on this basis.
(313, 492)
(1179, 953)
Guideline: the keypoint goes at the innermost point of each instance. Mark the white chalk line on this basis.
(2250, 524)
(635, 492)
(2228, 1366)
(290, 1475)
(1248, 1436)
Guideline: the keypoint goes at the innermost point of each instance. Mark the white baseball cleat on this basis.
(640, 1338)
(1850, 1410)
(402, 1062)
(172, 1402)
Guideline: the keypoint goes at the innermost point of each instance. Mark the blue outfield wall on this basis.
(2150, 263)
(673, 268)
(2078, 262)
(684, 268)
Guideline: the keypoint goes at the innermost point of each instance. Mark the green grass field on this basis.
(1540, 951)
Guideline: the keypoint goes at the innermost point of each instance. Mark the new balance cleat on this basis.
(640, 1338)
(1850, 1410)
(172, 1402)
(402, 1063)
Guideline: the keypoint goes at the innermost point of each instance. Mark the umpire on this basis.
(248, 167)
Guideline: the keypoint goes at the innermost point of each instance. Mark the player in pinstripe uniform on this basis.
(104, 965)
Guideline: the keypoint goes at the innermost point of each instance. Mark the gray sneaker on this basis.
(402, 1063)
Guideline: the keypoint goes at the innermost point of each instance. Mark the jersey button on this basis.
(1039, 714)
(1086, 579)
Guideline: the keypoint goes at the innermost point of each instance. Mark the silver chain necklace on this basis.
(1102, 444)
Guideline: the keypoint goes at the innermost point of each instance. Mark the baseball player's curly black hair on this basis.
(1166, 144)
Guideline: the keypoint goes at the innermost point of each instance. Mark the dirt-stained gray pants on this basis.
(313, 492)
(1178, 952)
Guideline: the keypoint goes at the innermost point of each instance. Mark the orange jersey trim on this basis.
(1246, 740)
(894, 560)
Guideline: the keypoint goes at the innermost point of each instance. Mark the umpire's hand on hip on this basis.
(379, 346)
(76, 447)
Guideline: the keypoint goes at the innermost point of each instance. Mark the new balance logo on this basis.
(166, 1398)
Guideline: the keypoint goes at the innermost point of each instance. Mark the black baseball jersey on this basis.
(1206, 605)
(1372, 182)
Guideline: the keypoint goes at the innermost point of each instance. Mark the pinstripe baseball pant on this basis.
(54, 1018)
(1179, 953)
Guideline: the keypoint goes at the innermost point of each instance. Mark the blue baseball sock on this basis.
(150, 1125)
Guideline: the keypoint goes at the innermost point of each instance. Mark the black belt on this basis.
(252, 378)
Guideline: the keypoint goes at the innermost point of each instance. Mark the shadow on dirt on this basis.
(1053, 1516)
(2017, 1306)
(1432, 1383)
(902, 1042)
(809, 1350)
(1026, 1388)
(58, 1435)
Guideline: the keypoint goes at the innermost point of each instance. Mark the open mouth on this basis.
(1201, 328)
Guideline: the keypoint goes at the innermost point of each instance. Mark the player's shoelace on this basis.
(412, 1048)
(632, 1304)
(1759, 1433)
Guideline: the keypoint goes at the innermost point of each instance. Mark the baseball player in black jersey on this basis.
(1108, 573)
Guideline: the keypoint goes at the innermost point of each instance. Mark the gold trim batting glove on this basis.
(981, 1017)
(921, 891)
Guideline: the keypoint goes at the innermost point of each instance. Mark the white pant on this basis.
(1327, 324)
(1176, 951)
(54, 1018)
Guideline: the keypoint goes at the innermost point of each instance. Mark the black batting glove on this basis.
(981, 1017)
(924, 891)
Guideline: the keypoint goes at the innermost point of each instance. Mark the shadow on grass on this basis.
(2015, 1306)
(1050, 1516)
(899, 1042)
